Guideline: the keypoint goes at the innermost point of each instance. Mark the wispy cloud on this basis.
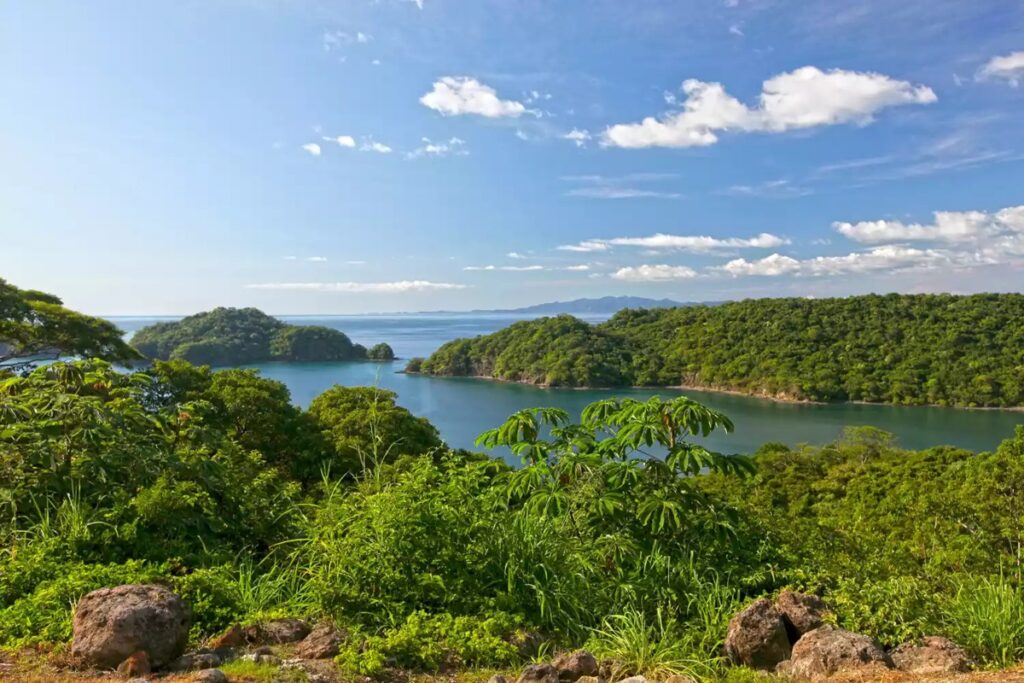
(398, 287)
(342, 140)
(621, 187)
(378, 147)
(312, 148)
(691, 243)
(451, 147)
(579, 137)
(512, 269)
(770, 189)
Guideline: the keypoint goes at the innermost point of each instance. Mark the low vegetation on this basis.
(617, 530)
(904, 349)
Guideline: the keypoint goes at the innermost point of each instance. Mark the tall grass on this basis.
(655, 647)
(987, 617)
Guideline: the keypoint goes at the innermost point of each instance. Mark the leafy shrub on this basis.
(439, 642)
(44, 614)
(893, 610)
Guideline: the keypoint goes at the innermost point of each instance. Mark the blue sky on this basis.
(358, 155)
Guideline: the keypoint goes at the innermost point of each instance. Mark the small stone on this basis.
(931, 655)
(323, 642)
(137, 664)
(571, 666)
(634, 679)
(676, 678)
(280, 631)
(210, 676)
(269, 660)
(233, 637)
(497, 678)
(538, 673)
(588, 679)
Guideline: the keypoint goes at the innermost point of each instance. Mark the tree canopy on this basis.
(233, 336)
(36, 326)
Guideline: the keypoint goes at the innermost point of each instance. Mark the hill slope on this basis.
(904, 349)
(235, 336)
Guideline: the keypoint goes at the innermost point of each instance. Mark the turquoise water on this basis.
(462, 408)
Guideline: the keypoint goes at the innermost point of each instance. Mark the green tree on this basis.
(35, 326)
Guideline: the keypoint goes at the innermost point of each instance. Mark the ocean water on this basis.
(462, 408)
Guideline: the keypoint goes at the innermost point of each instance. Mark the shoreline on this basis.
(718, 390)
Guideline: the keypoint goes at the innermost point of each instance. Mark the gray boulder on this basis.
(538, 673)
(757, 636)
(931, 655)
(828, 650)
(210, 676)
(111, 624)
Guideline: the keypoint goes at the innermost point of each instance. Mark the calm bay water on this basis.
(462, 408)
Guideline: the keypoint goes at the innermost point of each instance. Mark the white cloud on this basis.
(586, 246)
(658, 273)
(453, 146)
(578, 268)
(1009, 68)
(515, 254)
(458, 95)
(693, 243)
(312, 148)
(378, 147)
(513, 269)
(771, 189)
(776, 264)
(736, 30)
(418, 3)
(948, 226)
(804, 98)
(398, 287)
(579, 137)
(610, 192)
(342, 140)
(886, 258)
(363, 37)
(317, 259)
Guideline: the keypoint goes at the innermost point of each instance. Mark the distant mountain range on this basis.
(605, 305)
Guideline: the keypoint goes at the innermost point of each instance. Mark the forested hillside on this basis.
(904, 349)
(233, 336)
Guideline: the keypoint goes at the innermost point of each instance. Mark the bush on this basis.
(434, 643)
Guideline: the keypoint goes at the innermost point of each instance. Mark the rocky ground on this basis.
(139, 633)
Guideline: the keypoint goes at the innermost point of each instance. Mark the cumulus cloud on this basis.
(658, 273)
(805, 98)
(1009, 68)
(453, 146)
(342, 140)
(312, 148)
(397, 287)
(458, 95)
(693, 243)
(948, 226)
(886, 258)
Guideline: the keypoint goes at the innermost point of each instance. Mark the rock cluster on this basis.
(791, 637)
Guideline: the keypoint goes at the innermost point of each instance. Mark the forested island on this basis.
(936, 349)
(239, 336)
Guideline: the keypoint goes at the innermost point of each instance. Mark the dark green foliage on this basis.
(906, 349)
(35, 325)
(233, 336)
(380, 352)
(365, 426)
(560, 351)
